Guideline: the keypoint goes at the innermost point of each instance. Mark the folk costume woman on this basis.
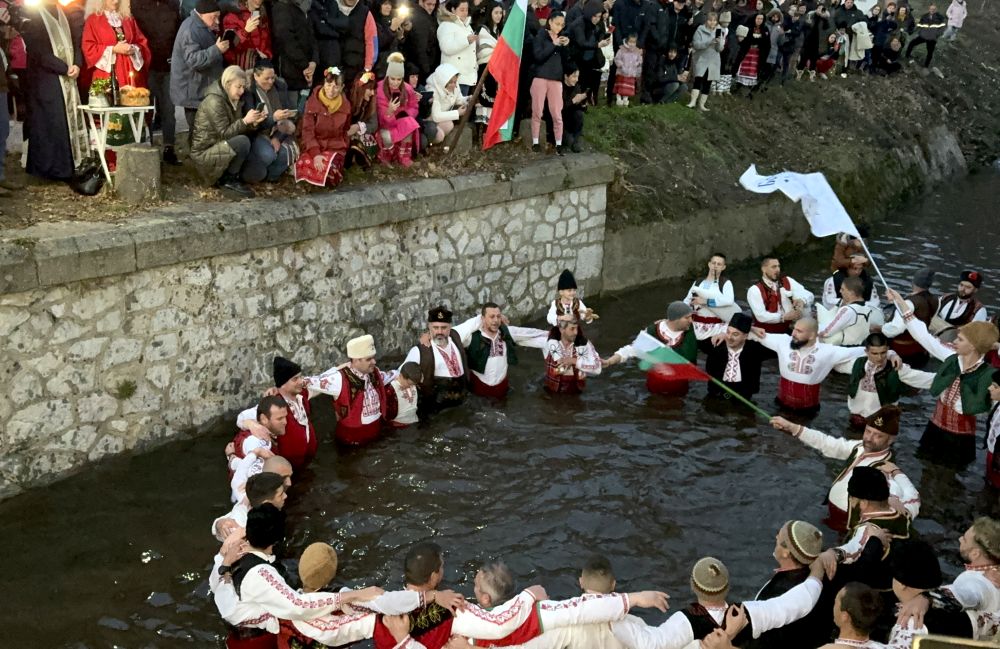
(111, 36)
(364, 147)
(326, 133)
(753, 52)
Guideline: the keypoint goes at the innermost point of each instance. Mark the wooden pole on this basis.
(452, 138)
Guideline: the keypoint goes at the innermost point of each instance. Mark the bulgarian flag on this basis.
(504, 65)
(669, 364)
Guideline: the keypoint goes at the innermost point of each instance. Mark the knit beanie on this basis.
(677, 310)
(868, 483)
(283, 370)
(981, 335)
(318, 566)
(709, 577)
(805, 541)
(396, 67)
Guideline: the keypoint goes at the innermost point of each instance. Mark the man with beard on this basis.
(260, 445)
(874, 449)
(299, 443)
(777, 300)
(443, 365)
(804, 363)
(975, 591)
(962, 307)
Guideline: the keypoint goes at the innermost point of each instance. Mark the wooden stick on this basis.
(452, 138)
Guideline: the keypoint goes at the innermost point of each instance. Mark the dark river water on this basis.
(118, 556)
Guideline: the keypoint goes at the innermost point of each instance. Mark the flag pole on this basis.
(874, 265)
(750, 404)
(652, 360)
(452, 138)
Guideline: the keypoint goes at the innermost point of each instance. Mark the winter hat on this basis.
(283, 370)
(206, 7)
(265, 526)
(923, 278)
(361, 347)
(710, 576)
(318, 566)
(982, 335)
(972, 277)
(396, 67)
(439, 314)
(885, 420)
(741, 321)
(677, 310)
(868, 483)
(742, 31)
(725, 18)
(566, 280)
(805, 541)
(914, 564)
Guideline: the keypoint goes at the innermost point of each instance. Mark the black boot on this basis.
(170, 156)
(232, 183)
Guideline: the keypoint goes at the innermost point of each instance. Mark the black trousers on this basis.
(930, 49)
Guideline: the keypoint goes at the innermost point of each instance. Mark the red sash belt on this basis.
(357, 435)
(798, 396)
(497, 391)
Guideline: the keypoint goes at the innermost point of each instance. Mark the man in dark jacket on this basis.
(850, 14)
(294, 44)
(929, 28)
(159, 20)
(421, 45)
(196, 61)
(664, 28)
(341, 36)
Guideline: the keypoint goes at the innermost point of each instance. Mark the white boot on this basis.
(694, 98)
(701, 103)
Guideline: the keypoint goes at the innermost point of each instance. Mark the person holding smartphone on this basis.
(706, 62)
(273, 142)
(252, 31)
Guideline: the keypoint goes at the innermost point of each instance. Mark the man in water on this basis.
(358, 390)
(924, 305)
(737, 362)
(853, 320)
(874, 450)
(876, 383)
(569, 359)
(677, 333)
(962, 306)
(777, 301)
(831, 287)
(804, 363)
(443, 365)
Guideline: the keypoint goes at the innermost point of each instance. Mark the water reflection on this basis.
(121, 552)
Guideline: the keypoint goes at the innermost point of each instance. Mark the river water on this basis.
(118, 556)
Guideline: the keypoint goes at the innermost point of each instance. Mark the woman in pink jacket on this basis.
(398, 106)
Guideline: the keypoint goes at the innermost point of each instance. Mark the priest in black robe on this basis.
(55, 130)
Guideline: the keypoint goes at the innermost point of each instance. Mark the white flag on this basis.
(820, 204)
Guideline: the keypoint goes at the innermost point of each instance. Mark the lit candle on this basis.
(131, 79)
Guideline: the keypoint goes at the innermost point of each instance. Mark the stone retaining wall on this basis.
(119, 336)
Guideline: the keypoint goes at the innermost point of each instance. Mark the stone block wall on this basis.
(118, 337)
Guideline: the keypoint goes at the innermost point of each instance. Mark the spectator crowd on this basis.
(310, 87)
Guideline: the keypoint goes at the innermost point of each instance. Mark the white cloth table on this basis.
(136, 117)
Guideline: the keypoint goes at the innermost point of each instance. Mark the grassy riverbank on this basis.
(673, 161)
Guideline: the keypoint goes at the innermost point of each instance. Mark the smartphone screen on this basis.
(229, 35)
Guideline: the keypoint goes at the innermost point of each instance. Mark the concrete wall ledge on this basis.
(49, 254)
